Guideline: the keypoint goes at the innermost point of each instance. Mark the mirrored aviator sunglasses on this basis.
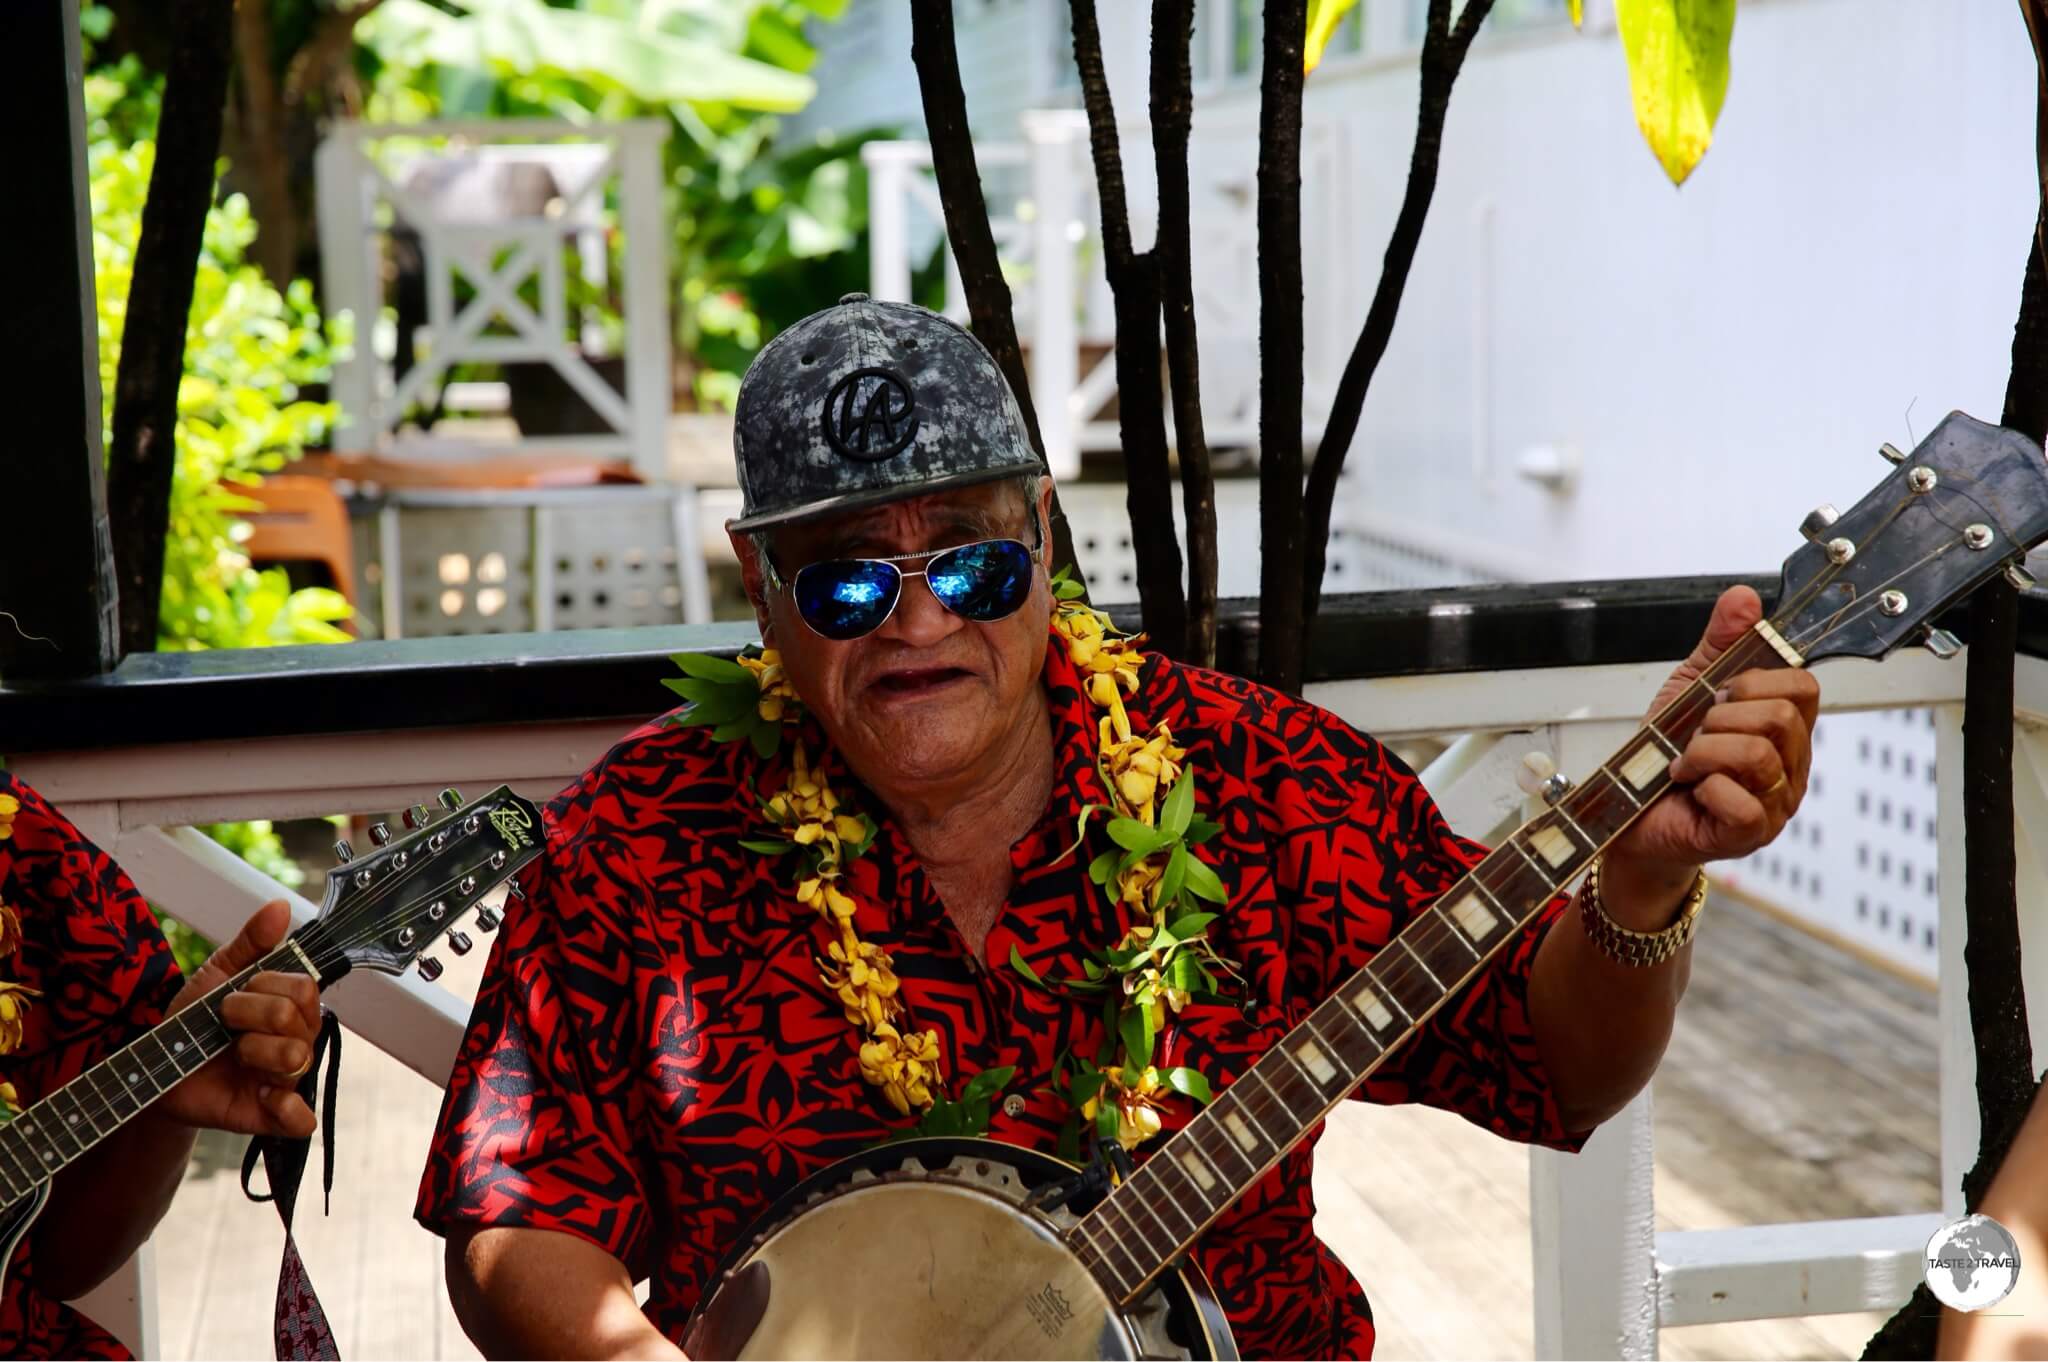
(847, 598)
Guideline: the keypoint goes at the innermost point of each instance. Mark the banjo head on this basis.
(924, 1249)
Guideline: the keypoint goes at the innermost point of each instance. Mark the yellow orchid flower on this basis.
(905, 1068)
(9, 806)
(14, 1005)
(10, 1102)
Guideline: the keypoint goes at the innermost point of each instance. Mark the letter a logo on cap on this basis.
(870, 415)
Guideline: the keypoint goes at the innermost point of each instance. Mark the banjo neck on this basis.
(1152, 1217)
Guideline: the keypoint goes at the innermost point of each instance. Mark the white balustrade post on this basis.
(1592, 1215)
(1593, 1232)
(345, 279)
(1055, 331)
(888, 221)
(650, 378)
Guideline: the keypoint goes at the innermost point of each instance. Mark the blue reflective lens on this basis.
(843, 600)
(985, 582)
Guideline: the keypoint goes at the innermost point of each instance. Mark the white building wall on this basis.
(1841, 270)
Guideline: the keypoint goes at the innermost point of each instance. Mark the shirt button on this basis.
(1013, 1105)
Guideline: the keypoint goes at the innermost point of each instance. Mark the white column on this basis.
(1592, 1215)
(346, 282)
(1593, 1223)
(1055, 334)
(650, 382)
(888, 221)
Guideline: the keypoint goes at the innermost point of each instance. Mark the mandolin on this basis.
(380, 911)
(983, 1262)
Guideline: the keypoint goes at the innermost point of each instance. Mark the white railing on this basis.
(1047, 225)
(375, 178)
(1606, 1280)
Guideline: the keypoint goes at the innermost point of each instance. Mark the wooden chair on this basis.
(303, 520)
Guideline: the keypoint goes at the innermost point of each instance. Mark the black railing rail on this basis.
(617, 673)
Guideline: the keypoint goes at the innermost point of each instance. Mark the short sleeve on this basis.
(536, 1128)
(89, 946)
(1382, 852)
(79, 937)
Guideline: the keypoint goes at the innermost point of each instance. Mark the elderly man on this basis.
(655, 1057)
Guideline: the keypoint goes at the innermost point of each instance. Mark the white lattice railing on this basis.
(1046, 221)
(1606, 1280)
(365, 191)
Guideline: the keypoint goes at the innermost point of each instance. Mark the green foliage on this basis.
(249, 352)
(760, 232)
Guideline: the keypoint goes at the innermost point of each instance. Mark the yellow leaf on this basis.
(1578, 11)
(1677, 54)
(1323, 18)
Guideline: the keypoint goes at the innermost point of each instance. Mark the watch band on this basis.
(1638, 949)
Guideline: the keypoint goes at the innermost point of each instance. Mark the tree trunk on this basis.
(1173, 106)
(1443, 55)
(257, 147)
(967, 227)
(1141, 397)
(2006, 1086)
(143, 455)
(1283, 642)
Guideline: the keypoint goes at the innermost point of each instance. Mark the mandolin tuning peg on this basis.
(379, 833)
(1819, 521)
(417, 817)
(430, 968)
(515, 891)
(451, 799)
(486, 920)
(1942, 643)
(343, 852)
(459, 943)
(1892, 453)
(2018, 575)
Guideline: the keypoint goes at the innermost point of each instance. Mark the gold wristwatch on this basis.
(1640, 949)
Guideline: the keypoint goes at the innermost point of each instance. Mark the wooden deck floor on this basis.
(1800, 1085)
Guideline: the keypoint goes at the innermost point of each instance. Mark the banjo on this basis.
(380, 912)
(987, 1255)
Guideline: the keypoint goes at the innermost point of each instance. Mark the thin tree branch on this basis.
(1172, 113)
(2006, 1085)
(1443, 55)
(143, 455)
(1141, 399)
(973, 241)
(1283, 641)
(258, 130)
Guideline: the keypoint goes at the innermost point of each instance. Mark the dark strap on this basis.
(302, 1332)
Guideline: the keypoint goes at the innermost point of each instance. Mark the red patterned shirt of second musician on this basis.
(653, 1060)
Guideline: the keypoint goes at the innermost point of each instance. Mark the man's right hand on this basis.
(542, 1293)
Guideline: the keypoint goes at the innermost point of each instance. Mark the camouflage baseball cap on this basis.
(871, 402)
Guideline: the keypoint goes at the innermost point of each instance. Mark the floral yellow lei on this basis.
(1162, 960)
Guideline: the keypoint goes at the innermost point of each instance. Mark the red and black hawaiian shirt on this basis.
(91, 949)
(652, 1059)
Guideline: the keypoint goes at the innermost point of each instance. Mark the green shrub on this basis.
(251, 354)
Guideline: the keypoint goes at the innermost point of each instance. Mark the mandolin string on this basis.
(282, 959)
